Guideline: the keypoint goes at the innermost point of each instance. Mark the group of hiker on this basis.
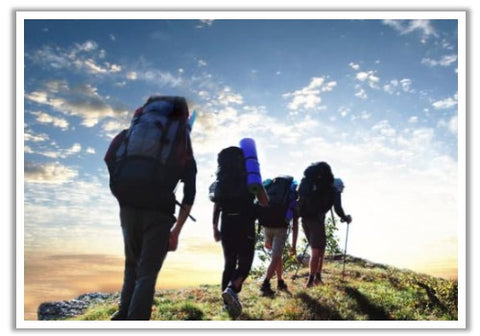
(148, 160)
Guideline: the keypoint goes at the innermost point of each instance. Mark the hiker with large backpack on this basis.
(145, 163)
(234, 205)
(317, 194)
(275, 220)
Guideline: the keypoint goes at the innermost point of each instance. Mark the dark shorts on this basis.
(315, 232)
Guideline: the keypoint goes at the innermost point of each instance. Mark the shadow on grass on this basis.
(432, 297)
(317, 310)
(366, 306)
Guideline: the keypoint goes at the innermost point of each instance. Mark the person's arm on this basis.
(189, 183)
(262, 197)
(216, 216)
(337, 205)
(189, 191)
(294, 235)
(177, 228)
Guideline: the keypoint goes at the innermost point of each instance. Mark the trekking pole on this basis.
(181, 206)
(301, 261)
(345, 252)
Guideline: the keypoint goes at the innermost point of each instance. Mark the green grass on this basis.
(366, 292)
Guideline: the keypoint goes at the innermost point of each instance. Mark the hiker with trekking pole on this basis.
(317, 195)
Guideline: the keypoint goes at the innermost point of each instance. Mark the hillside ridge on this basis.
(367, 291)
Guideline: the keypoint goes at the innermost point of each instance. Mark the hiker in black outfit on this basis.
(237, 234)
(314, 205)
(147, 207)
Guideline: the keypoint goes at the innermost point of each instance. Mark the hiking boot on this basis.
(234, 307)
(310, 282)
(266, 289)
(318, 280)
(281, 285)
(118, 316)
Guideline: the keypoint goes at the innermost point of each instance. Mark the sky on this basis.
(378, 99)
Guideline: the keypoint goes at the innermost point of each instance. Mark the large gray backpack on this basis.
(152, 156)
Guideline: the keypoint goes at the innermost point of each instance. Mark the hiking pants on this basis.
(238, 242)
(146, 234)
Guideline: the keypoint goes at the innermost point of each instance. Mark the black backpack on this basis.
(230, 185)
(315, 190)
(279, 195)
(151, 157)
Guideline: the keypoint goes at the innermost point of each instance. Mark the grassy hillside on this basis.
(367, 292)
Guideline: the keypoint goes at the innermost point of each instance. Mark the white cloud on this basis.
(45, 118)
(406, 84)
(48, 173)
(451, 125)
(132, 75)
(81, 57)
(424, 27)
(445, 61)
(354, 66)
(29, 136)
(112, 127)
(82, 101)
(86, 46)
(53, 151)
(396, 86)
(90, 150)
(309, 97)
(413, 119)
(369, 77)
(156, 76)
(384, 128)
(76, 148)
(204, 23)
(361, 93)
(344, 111)
(446, 103)
(226, 97)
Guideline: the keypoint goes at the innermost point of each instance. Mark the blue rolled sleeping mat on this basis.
(254, 178)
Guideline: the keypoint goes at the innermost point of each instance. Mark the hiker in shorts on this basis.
(236, 233)
(313, 212)
(275, 220)
(147, 202)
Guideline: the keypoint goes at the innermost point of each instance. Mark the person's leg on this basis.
(281, 285)
(156, 232)
(269, 243)
(315, 246)
(245, 260)
(246, 250)
(244, 242)
(132, 246)
(230, 260)
(281, 239)
(229, 242)
(322, 246)
(314, 260)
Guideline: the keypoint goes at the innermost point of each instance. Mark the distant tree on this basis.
(289, 261)
(331, 230)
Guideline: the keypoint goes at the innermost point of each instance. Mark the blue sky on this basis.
(377, 99)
